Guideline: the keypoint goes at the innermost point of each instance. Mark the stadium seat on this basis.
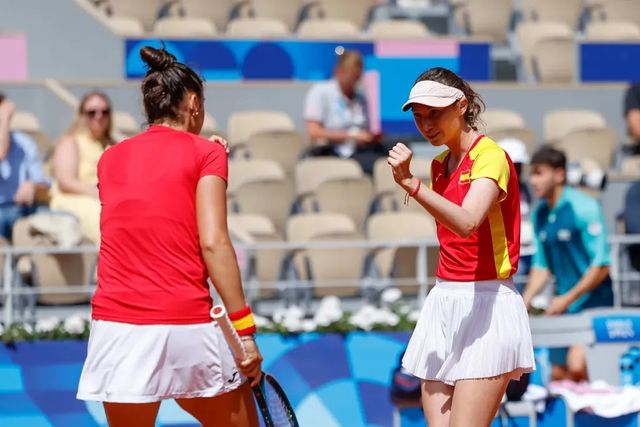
(145, 11)
(398, 29)
(271, 197)
(283, 147)
(220, 14)
(526, 135)
(558, 123)
(597, 144)
(125, 26)
(125, 123)
(310, 173)
(616, 10)
(612, 31)
(250, 170)
(389, 196)
(55, 270)
(328, 269)
(257, 28)
(241, 125)
(497, 119)
(485, 19)
(354, 11)
(265, 268)
(27, 122)
(330, 197)
(184, 27)
(287, 11)
(327, 29)
(554, 60)
(210, 126)
(566, 11)
(400, 263)
(528, 34)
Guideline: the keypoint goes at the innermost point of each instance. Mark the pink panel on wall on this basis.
(416, 49)
(372, 85)
(13, 56)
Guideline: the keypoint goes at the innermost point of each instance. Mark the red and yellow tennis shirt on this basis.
(493, 250)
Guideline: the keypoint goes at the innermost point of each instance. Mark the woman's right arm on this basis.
(65, 169)
(220, 258)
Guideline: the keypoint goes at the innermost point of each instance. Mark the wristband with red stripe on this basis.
(243, 321)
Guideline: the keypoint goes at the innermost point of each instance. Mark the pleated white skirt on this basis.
(129, 363)
(471, 330)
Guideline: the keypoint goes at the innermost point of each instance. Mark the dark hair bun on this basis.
(157, 59)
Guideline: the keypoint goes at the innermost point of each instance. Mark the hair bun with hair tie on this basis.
(157, 59)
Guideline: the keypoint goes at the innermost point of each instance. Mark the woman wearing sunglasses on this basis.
(75, 161)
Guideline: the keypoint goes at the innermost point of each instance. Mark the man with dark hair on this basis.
(570, 238)
(20, 171)
(336, 114)
(632, 221)
(632, 117)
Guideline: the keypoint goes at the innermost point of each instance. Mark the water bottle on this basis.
(626, 370)
(634, 354)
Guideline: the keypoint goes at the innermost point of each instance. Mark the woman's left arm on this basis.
(462, 220)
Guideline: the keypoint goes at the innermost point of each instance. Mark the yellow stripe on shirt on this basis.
(499, 240)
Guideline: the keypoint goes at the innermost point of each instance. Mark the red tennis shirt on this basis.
(493, 250)
(150, 268)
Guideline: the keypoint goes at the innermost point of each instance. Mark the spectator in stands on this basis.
(21, 173)
(632, 221)
(337, 116)
(75, 161)
(570, 238)
(632, 115)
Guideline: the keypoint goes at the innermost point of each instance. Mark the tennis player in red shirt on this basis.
(473, 334)
(164, 233)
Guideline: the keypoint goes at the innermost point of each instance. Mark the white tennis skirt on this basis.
(471, 330)
(147, 363)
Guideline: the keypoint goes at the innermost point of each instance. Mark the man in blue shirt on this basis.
(20, 171)
(570, 241)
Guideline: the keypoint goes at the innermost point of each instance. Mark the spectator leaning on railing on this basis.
(21, 171)
(570, 240)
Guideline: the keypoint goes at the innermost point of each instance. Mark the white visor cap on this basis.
(432, 94)
(516, 149)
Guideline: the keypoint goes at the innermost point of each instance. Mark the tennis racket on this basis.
(272, 401)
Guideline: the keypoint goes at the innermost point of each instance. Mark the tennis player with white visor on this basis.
(473, 333)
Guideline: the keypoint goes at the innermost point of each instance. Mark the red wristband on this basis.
(243, 321)
(237, 315)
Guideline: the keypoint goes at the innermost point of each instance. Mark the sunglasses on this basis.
(94, 113)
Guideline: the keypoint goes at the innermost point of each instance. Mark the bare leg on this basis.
(577, 363)
(436, 403)
(131, 414)
(476, 402)
(233, 409)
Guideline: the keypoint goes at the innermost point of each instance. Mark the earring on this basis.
(195, 113)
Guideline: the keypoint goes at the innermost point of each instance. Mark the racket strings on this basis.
(278, 408)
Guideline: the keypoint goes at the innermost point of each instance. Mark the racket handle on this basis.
(219, 314)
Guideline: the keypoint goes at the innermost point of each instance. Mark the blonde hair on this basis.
(78, 125)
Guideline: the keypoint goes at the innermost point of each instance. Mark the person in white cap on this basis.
(472, 336)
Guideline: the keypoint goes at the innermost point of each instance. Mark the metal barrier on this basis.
(620, 271)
